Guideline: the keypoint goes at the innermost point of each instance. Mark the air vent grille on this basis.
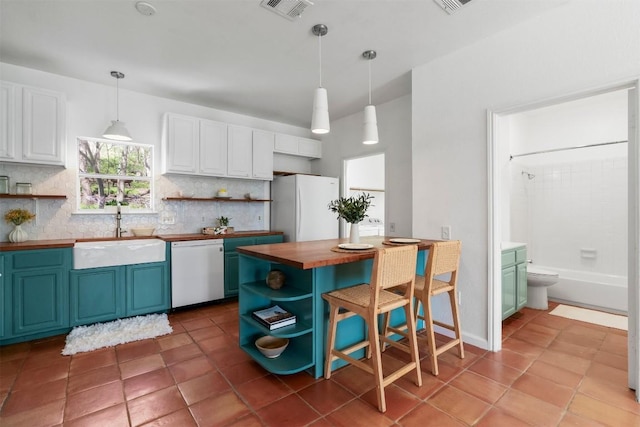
(290, 9)
(451, 6)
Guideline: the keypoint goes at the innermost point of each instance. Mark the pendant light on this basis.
(370, 126)
(320, 117)
(117, 130)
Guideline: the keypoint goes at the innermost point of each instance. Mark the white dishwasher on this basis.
(197, 271)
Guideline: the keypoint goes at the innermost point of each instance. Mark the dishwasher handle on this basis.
(192, 243)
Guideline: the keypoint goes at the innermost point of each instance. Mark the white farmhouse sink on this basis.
(106, 253)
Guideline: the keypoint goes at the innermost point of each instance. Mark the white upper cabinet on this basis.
(213, 148)
(33, 125)
(309, 148)
(297, 146)
(239, 151)
(194, 146)
(181, 145)
(7, 121)
(263, 154)
(286, 144)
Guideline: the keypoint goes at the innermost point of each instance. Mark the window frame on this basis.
(111, 209)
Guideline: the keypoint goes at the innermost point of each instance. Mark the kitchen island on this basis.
(310, 269)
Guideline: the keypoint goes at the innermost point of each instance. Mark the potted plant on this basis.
(223, 223)
(18, 217)
(353, 210)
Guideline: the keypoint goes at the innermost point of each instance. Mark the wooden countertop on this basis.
(68, 243)
(185, 237)
(307, 255)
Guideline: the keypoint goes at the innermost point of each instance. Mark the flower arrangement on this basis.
(18, 216)
(352, 209)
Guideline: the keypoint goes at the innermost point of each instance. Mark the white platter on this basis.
(355, 246)
(403, 240)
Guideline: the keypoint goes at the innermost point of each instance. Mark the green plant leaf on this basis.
(352, 209)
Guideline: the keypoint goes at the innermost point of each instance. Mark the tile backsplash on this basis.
(57, 219)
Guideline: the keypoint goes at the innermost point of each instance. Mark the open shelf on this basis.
(289, 362)
(300, 328)
(285, 293)
(32, 196)
(211, 199)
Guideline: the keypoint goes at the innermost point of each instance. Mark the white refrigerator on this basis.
(300, 207)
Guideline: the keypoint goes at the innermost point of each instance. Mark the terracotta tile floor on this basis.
(552, 372)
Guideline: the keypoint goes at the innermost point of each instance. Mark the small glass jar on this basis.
(4, 184)
(23, 188)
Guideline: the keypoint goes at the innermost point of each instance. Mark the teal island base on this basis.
(302, 296)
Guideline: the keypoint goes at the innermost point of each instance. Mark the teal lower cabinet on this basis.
(35, 293)
(41, 295)
(96, 295)
(147, 288)
(514, 280)
(108, 293)
(231, 270)
(508, 291)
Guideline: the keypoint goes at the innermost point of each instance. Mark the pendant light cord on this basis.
(320, 56)
(369, 82)
(117, 99)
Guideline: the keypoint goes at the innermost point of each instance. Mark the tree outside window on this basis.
(112, 173)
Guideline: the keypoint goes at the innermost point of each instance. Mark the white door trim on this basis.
(634, 239)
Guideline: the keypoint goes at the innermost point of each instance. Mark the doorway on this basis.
(367, 175)
(499, 134)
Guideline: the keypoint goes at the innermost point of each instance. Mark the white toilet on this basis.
(538, 280)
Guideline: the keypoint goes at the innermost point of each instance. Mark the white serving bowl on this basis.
(271, 347)
(143, 231)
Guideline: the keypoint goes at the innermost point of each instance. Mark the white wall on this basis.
(90, 108)
(394, 129)
(575, 47)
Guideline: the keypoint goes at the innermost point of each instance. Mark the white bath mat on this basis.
(591, 316)
(99, 335)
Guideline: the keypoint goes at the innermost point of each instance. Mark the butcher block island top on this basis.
(318, 253)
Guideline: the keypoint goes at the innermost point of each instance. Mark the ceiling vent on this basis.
(290, 9)
(451, 6)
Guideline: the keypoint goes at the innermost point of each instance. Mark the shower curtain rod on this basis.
(566, 148)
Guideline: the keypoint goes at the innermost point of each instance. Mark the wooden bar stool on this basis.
(444, 258)
(392, 267)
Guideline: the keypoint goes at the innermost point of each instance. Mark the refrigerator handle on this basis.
(299, 216)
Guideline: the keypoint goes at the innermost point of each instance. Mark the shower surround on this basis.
(573, 216)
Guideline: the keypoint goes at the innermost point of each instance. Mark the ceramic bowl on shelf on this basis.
(143, 231)
(271, 347)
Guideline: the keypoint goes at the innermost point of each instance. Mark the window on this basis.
(111, 172)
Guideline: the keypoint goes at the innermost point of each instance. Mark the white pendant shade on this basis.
(370, 127)
(320, 118)
(117, 131)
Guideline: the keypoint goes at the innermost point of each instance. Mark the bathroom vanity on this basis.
(514, 277)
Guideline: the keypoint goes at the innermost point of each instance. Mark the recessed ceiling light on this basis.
(145, 8)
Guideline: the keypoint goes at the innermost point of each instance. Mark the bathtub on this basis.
(604, 291)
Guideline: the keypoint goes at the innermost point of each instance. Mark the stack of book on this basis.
(274, 317)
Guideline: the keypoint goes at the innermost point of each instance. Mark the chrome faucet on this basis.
(118, 219)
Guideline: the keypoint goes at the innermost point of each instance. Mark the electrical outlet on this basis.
(446, 232)
(459, 297)
(392, 227)
(202, 219)
(259, 218)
